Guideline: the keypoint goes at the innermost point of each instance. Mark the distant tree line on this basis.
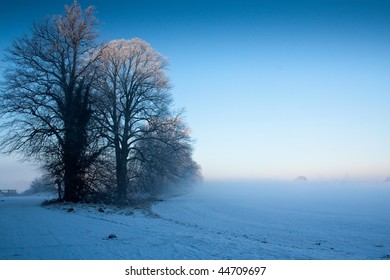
(98, 118)
(41, 185)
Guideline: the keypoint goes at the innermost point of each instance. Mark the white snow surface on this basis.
(216, 221)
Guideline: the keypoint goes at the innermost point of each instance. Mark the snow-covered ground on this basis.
(217, 221)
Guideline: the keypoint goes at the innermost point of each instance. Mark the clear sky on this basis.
(273, 89)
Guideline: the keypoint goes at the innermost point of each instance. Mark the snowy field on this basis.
(216, 221)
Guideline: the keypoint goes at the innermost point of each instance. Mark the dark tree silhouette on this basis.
(45, 104)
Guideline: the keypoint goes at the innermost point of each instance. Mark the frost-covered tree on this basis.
(134, 97)
(45, 104)
(133, 90)
(166, 165)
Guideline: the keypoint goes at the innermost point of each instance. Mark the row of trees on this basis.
(93, 114)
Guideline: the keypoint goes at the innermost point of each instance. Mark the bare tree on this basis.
(45, 104)
(167, 166)
(134, 92)
(41, 185)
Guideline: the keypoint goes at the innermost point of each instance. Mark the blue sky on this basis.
(272, 89)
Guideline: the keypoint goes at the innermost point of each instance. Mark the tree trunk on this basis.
(121, 178)
(59, 190)
(71, 179)
(73, 154)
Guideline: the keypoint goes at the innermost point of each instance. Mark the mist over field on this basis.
(216, 220)
(306, 194)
